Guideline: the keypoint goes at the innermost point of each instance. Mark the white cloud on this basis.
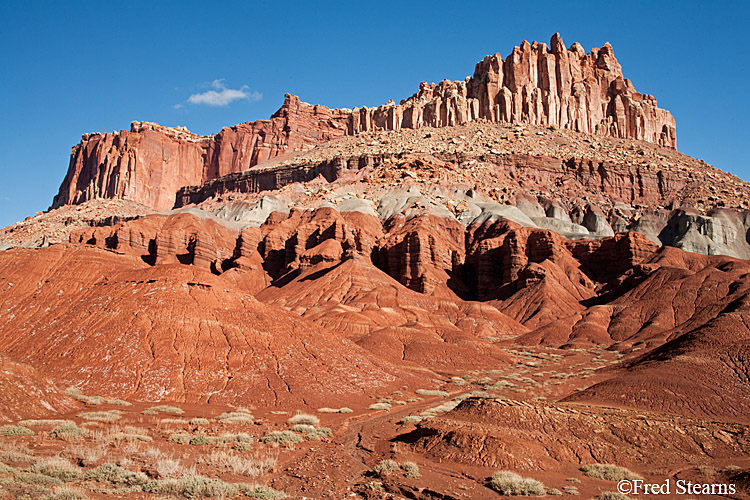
(221, 95)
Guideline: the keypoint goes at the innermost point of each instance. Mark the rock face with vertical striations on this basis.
(535, 84)
(149, 163)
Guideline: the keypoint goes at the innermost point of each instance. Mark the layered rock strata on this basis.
(536, 84)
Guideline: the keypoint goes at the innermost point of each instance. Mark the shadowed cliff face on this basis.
(536, 84)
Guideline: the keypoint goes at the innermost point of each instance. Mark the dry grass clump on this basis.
(234, 437)
(86, 455)
(432, 393)
(313, 433)
(570, 490)
(180, 438)
(36, 479)
(66, 493)
(93, 400)
(379, 406)
(15, 430)
(409, 419)
(252, 466)
(411, 470)
(14, 452)
(101, 416)
(554, 492)
(282, 437)
(70, 432)
(199, 421)
(174, 421)
(154, 410)
(172, 468)
(44, 423)
(240, 416)
(113, 473)
(611, 495)
(58, 468)
(203, 487)
(385, 467)
(511, 484)
(335, 410)
(303, 419)
(609, 472)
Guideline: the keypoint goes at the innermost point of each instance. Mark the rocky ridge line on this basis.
(535, 84)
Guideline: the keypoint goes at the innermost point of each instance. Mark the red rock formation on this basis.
(149, 163)
(535, 84)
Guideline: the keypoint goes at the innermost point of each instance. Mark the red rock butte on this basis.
(535, 84)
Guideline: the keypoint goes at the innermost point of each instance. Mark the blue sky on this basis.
(74, 67)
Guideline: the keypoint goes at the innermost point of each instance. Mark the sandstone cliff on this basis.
(536, 84)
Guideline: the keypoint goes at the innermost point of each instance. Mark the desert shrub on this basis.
(93, 400)
(379, 406)
(511, 484)
(385, 467)
(15, 430)
(44, 423)
(180, 438)
(410, 419)
(198, 440)
(170, 467)
(611, 495)
(335, 410)
(609, 472)
(69, 432)
(193, 487)
(431, 392)
(66, 493)
(260, 491)
(101, 416)
(7, 469)
(312, 433)
(304, 419)
(252, 466)
(410, 469)
(282, 437)
(115, 474)
(238, 437)
(154, 410)
(14, 452)
(240, 416)
(86, 455)
(199, 421)
(58, 468)
(174, 421)
(242, 446)
(37, 479)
